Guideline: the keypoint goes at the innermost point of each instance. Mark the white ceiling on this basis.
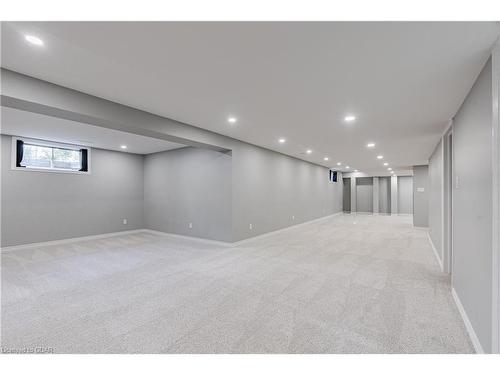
(403, 81)
(33, 125)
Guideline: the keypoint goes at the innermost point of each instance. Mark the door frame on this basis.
(447, 150)
(495, 63)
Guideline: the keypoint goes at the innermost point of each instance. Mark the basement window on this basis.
(38, 155)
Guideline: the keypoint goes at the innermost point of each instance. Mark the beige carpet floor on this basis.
(347, 284)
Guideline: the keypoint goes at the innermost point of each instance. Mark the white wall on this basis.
(436, 181)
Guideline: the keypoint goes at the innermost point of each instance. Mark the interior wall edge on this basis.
(434, 250)
(496, 197)
(468, 325)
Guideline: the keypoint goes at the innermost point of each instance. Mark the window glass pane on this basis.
(36, 156)
(67, 159)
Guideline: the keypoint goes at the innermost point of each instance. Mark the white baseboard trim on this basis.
(151, 231)
(440, 262)
(468, 325)
(259, 236)
(191, 238)
(68, 240)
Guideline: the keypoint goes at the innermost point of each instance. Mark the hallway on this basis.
(343, 284)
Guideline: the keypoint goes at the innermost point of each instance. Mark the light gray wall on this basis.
(272, 191)
(405, 195)
(353, 194)
(436, 172)
(376, 194)
(420, 198)
(46, 206)
(394, 195)
(472, 206)
(259, 175)
(364, 194)
(384, 197)
(189, 185)
(346, 194)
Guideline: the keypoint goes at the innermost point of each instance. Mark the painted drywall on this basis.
(353, 194)
(420, 196)
(436, 173)
(405, 195)
(472, 206)
(269, 190)
(188, 186)
(394, 195)
(46, 206)
(346, 194)
(384, 197)
(272, 191)
(376, 194)
(364, 194)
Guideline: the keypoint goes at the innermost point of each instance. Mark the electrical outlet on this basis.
(125, 221)
(250, 226)
(190, 225)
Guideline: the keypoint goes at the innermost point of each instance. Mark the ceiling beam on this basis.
(34, 95)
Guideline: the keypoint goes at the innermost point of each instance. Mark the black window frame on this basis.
(19, 153)
(333, 176)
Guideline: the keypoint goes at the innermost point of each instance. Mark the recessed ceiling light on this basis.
(355, 170)
(347, 167)
(386, 164)
(309, 151)
(325, 158)
(370, 145)
(123, 147)
(392, 171)
(380, 157)
(339, 163)
(389, 169)
(282, 140)
(349, 118)
(34, 40)
(232, 120)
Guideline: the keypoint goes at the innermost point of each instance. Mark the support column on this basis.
(394, 195)
(353, 194)
(375, 195)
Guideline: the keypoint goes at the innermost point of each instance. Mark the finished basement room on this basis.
(250, 187)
